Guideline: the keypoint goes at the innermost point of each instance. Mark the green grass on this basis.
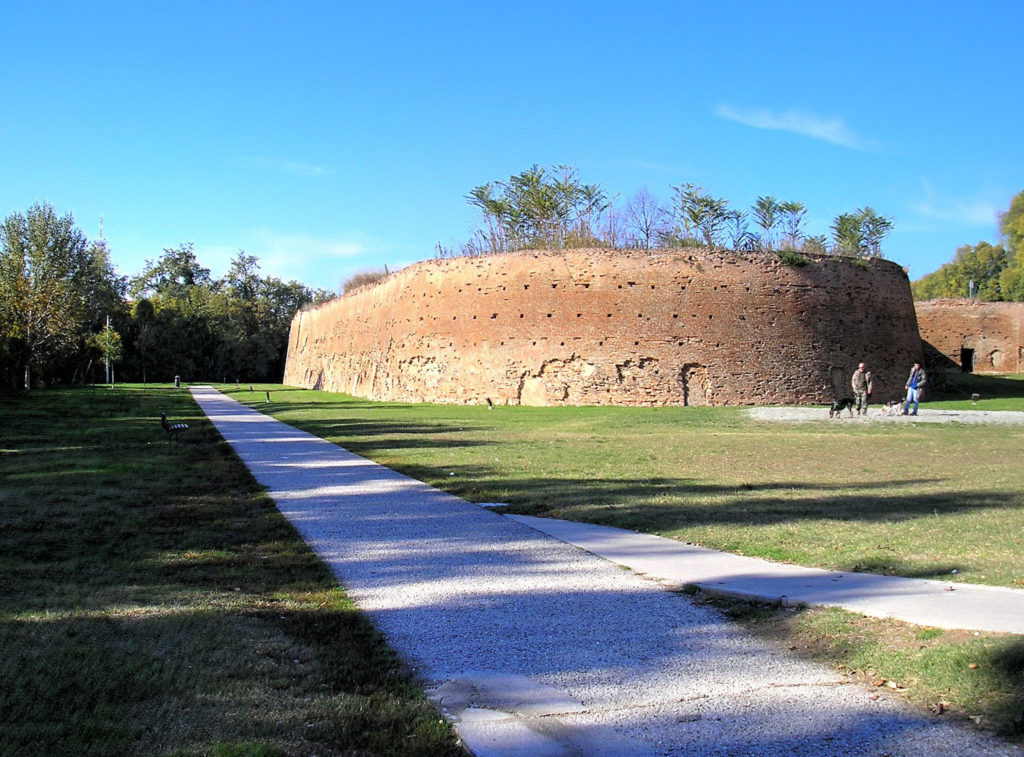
(153, 600)
(973, 676)
(912, 499)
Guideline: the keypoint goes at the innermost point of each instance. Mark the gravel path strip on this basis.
(875, 415)
(532, 646)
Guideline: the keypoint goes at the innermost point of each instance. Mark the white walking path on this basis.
(532, 646)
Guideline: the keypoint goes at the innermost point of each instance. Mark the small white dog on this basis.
(893, 407)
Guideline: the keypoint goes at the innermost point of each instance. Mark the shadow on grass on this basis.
(153, 600)
(960, 386)
(674, 503)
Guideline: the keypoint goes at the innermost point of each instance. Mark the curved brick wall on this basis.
(682, 327)
(989, 333)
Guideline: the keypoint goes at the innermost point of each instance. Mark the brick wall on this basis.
(580, 327)
(988, 334)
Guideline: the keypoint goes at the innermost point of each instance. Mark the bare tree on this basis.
(645, 218)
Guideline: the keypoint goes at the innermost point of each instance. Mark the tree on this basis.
(144, 318)
(243, 277)
(793, 214)
(174, 273)
(1011, 227)
(108, 343)
(536, 209)
(860, 234)
(983, 264)
(46, 281)
(645, 218)
(875, 228)
(766, 212)
(738, 226)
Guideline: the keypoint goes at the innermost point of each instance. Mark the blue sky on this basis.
(331, 137)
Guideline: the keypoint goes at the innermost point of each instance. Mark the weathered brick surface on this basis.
(992, 330)
(684, 327)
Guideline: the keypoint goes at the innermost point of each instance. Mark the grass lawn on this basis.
(153, 601)
(912, 499)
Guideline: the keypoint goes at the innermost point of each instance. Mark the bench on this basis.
(172, 429)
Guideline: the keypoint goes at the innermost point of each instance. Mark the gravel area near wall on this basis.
(465, 594)
(875, 415)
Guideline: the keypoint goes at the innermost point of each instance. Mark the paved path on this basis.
(928, 603)
(533, 646)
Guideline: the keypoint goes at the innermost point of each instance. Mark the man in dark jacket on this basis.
(914, 386)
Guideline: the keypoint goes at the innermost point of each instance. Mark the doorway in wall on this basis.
(966, 359)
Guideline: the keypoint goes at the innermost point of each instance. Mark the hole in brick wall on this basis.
(636, 344)
(652, 286)
(710, 316)
(586, 286)
(561, 344)
(493, 316)
(521, 315)
(675, 315)
(554, 286)
(639, 315)
(609, 315)
(631, 283)
(549, 315)
(620, 286)
(526, 286)
(579, 315)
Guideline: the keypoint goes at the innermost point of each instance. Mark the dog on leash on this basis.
(839, 406)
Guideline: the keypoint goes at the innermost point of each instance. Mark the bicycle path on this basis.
(530, 645)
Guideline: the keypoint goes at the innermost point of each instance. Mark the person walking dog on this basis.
(915, 383)
(862, 388)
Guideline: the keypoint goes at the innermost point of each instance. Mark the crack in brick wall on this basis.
(600, 327)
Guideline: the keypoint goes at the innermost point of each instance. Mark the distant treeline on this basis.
(991, 273)
(65, 314)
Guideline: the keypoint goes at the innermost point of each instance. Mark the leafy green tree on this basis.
(766, 211)
(875, 228)
(860, 234)
(793, 215)
(144, 319)
(1011, 226)
(538, 209)
(172, 276)
(47, 282)
(108, 343)
(981, 265)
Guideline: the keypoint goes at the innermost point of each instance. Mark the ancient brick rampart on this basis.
(682, 327)
(985, 337)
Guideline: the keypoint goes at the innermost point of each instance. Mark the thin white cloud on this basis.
(961, 211)
(276, 244)
(831, 130)
(291, 167)
(316, 261)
